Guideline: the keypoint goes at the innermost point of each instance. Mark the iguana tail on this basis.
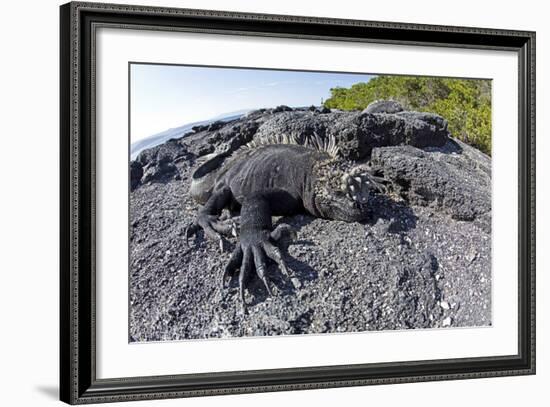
(203, 179)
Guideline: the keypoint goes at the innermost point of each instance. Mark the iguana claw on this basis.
(213, 229)
(250, 253)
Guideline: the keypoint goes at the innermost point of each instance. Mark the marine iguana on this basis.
(276, 177)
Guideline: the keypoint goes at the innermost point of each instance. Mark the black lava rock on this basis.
(384, 106)
(421, 260)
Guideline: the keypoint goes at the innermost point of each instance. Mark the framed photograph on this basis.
(255, 203)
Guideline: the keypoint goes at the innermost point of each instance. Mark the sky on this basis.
(168, 96)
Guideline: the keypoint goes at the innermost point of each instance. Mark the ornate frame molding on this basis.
(78, 380)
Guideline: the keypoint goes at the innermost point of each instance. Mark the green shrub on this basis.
(465, 103)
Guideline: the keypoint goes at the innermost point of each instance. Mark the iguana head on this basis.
(342, 192)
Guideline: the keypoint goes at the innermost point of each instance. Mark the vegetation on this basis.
(465, 103)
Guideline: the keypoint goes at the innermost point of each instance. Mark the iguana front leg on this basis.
(208, 217)
(257, 240)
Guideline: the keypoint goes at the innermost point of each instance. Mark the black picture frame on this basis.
(78, 382)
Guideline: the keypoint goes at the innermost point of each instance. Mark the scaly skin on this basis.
(274, 180)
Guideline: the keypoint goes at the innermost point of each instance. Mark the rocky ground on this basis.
(422, 259)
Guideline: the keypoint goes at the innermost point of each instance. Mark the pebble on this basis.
(444, 305)
(296, 283)
(447, 321)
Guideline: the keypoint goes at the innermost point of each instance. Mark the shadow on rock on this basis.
(296, 221)
(300, 272)
(302, 322)
(450, 147)
(399, 214)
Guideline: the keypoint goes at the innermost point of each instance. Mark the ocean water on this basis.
(177, 132)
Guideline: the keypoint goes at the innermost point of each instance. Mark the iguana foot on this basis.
(213, 228)
(283, 230)
(251, 252)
